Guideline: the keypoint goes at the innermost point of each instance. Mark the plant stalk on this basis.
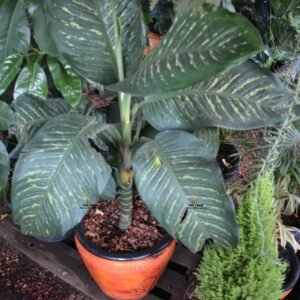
(125, 172)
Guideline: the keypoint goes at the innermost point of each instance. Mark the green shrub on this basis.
(252, 270)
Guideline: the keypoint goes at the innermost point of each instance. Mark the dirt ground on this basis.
(23, 279)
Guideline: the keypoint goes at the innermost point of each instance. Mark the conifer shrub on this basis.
(252, 270)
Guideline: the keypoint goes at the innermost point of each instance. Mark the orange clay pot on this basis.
(125, 275)
(154, 40)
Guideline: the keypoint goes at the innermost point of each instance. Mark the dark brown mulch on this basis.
(22, 279)
(101, 227)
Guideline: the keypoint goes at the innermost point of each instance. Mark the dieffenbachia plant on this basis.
(198, 77)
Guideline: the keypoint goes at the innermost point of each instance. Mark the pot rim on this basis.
(121, 256)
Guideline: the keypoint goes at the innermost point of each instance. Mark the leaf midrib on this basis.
(67, 152)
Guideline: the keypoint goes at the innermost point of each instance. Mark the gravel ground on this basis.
(23, 279)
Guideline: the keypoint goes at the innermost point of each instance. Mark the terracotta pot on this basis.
(293, 275)
(125, 275)
(154, 40)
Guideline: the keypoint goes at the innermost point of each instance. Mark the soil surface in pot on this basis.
(101, 227)
(23, 279)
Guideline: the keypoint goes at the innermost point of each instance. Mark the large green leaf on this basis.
(7, 116)
(4, 166)
(180, 181)
(57, 172)
(31, 114)
(84, 34)
(14, 29)
(66, 81)
(41, 26)
(9, 69)
(32, 80)
(200, 43)
(241, 98)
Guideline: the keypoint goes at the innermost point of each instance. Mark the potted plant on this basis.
(197, 77)
(252, 269)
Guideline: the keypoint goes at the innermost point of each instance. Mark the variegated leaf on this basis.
(57, 172)
(200, 43)
(31, 114)
(66, 81)
(7, 116)
(4, 166)
(9, 69)
(180, 181)
(84, 34)
(211, 139)
(242, 98)
(14, 29)
(32, 80)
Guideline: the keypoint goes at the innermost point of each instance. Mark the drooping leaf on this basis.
(32, 80)
(7, 116)
(9, 69)
(210, 137)
(83, 33)
(200, 43)
(57, 172)
(41, 27)
(241, 98)
(180, 181)
(4, 166)
(110, 190)
(66, 81)
(31, 114)
(14, 29)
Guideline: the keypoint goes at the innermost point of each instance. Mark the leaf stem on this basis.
(125, 173)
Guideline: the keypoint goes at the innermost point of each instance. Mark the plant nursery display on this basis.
(79, 164)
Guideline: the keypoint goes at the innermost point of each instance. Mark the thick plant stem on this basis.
(125, 173)
(126, 204)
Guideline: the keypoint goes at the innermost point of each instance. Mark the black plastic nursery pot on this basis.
(293, 275)
(125, 275)
(229, 160)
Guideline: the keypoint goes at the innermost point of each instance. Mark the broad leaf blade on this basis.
(32, 80)
(30, 109)
(9, 69)
(66, 81)
(200, 44)
(7, 116)
(83, 33)
(210, 137)
(31, 114)
(110, 190)
(41, 26)
(4, 166)
(14, 29)
(242, 98)
(180, 181)
(47, 195)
